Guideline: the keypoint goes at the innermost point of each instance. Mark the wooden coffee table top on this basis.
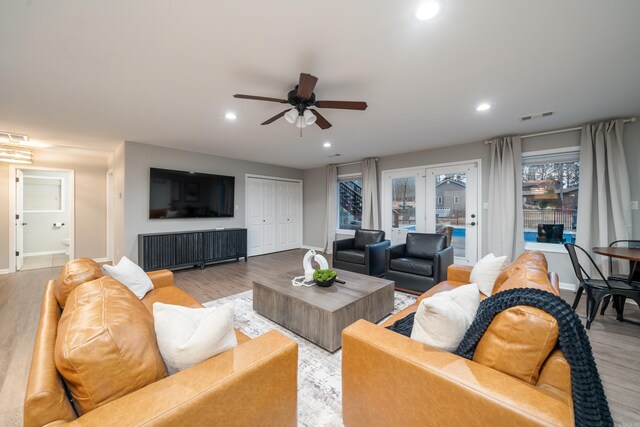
(332, 298)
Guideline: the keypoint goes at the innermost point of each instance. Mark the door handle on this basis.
(24, 223)
(471, 223)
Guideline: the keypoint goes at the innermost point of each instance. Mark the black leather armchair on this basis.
(419, 264)
(363, 254)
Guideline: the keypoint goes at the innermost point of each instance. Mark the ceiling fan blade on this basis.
(320, 120)
(260, 98)
(274, 118)
(344, 105)
(306, 85)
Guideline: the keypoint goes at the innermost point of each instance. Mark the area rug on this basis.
(319, 372)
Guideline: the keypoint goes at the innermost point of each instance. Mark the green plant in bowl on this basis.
(324, 277)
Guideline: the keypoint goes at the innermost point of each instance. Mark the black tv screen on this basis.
(179, 194)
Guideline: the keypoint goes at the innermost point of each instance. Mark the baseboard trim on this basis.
(568, 286)
(61, 251)
(102, 260)
(315, 248)
(4, 271)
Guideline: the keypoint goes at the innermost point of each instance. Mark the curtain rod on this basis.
(552, 132)
(353, 163)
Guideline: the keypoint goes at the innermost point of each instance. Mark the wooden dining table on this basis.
(631, 254)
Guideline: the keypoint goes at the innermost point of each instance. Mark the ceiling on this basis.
(94, 73)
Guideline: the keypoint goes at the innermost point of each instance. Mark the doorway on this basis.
(439, 198)
(42, 209)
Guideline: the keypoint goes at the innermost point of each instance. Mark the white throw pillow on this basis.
(486, 271)
(442, 319)
(131, 275)
(188, 336)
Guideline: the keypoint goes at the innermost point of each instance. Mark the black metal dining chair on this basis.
(633, 266)
(598, 289)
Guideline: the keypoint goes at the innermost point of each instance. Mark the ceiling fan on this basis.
(302, 98)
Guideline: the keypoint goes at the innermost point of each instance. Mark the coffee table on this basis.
(320, 314)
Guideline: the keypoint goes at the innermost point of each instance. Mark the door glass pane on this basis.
(403, 206)
(451, 209)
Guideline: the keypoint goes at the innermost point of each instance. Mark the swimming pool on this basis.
(529, 235)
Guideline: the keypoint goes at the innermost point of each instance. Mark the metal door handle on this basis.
(24, 223)
(471, 223)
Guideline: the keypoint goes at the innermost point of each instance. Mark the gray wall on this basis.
(138, 158)
(559, 262)
(90, 208)
(314, 206)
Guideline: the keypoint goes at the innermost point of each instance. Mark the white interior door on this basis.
(403, 204)
(289, 201)
(294, 208)
(452, 201)
(19, 218)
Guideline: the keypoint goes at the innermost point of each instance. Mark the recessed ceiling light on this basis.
(427, 10)
(326, 145)
(483, 107)
(230, 116)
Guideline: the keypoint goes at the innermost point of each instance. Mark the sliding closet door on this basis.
(274, 215)
(289, 208)
(261, 218)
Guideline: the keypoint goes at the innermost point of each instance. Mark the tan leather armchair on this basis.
(391, 380)
(252, 384)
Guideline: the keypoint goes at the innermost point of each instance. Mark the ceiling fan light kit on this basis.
(302, 99)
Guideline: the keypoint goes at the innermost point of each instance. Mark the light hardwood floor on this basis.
(616, 346)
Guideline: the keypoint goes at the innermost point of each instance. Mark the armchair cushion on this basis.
(424, 246)
(73, 274)
(363, 238)
(442, 320)
(350, 255)
(106, 344)
(418, 266)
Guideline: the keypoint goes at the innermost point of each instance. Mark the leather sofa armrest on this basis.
(343, 244)
(392, 252)
(459, 273)
(441, 262)
(161, 278)
(374, 255)
(390, 379)
(251, 384)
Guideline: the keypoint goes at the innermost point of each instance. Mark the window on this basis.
(42, 194)
(350, 202)
(550, 182)
(439, 200)
(456, 200)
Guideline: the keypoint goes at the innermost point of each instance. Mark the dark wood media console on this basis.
(191, 248)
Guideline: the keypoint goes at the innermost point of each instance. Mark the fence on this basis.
(533, 217)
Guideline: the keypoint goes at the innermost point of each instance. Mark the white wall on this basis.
(138, 158)
(39, 234)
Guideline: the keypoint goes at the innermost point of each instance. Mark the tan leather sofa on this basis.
(518, 376)
(252, 384)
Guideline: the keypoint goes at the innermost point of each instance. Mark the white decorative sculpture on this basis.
(306, 264)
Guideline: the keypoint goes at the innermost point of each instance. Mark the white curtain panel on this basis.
(370, 214)
(331, 214)
(504, 219)
(604, 202)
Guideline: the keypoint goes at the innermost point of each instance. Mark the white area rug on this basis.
(319, 372)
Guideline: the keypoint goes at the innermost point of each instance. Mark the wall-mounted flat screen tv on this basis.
(180, 194)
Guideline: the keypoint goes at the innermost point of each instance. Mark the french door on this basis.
(441, 198)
